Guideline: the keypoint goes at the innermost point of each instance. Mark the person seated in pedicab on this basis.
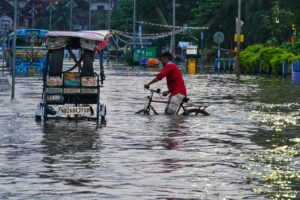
(176, 87)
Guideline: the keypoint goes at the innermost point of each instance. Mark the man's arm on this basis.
(147, 86)
(159, 76)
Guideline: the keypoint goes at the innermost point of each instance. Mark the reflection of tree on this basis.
(69, 152)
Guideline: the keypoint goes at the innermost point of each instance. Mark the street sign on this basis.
(51, 7)
(219, 37)
(4, 23)
(71, 4)
(33, 11)
(237, 21)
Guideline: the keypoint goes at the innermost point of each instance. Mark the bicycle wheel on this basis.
(143, 111)
(195, 112)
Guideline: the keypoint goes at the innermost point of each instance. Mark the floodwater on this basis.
(248, 148)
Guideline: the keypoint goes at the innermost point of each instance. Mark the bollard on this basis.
(229, 65)
(233, 65)
(218, 65)
(285, 68)
(199, 66)
(296, 72)
(192, 66)
(260, 66)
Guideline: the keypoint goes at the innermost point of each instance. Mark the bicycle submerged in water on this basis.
(187, 110)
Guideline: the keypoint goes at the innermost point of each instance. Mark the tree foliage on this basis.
(263, 19)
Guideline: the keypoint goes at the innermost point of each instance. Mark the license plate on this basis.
(71, 90)
(31, 70)
(82, 111)
(54, 90)
(89, 91)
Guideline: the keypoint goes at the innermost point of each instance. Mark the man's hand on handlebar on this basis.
(146, 86)
(165, 93)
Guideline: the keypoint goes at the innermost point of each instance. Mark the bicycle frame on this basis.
(148, 105)
(186, 111)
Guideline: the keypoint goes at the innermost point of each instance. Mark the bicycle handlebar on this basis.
(155, 91)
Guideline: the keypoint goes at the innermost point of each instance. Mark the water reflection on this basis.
(173, 136)
(227, 155)
(69, 137)
(175, 129)
(71, 152)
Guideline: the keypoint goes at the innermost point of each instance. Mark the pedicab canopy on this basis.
(88, 42)
(91, 40)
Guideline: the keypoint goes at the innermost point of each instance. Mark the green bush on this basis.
(250, 58)
(271, 57)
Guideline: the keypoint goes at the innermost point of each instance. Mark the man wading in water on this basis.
(175, 83)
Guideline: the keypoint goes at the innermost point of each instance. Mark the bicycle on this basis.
(188, 110)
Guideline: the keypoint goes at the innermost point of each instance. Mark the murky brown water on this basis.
(247, 149)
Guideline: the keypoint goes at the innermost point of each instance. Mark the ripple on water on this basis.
(139, 157)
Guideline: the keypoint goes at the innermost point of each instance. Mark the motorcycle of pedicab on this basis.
(72, 91)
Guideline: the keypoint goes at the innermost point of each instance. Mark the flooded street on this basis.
(248, 148)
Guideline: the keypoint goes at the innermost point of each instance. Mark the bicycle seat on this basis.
(185, 99)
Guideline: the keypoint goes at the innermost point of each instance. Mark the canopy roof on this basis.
(92, 40)
(100, 35)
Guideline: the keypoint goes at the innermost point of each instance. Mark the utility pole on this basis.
(33, 11)
(109, 14)
(14, 51)
(71, 5)
(51, 8)
(134, 23)
(238, 31)
(172, 47)
(90, 16)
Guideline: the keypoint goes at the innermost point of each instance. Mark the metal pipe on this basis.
(14, 51)
(90, 16)
(71, 14)
(109, 15)
(50, 19)
(238, 31)
(33, 15)
(134, 23)
(173, 28)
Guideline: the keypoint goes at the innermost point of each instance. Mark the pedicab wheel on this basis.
(38, 118)
(102, 120)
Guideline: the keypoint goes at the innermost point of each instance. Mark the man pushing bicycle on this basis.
(175, 83)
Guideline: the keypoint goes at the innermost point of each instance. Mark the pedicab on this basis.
(72, 91)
